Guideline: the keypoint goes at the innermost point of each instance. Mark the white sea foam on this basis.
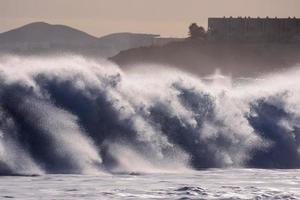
(70, 114)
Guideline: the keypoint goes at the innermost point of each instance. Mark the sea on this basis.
(73, 127)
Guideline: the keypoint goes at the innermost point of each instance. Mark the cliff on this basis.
(203, 57)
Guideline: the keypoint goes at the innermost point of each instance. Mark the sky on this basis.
(169, 18)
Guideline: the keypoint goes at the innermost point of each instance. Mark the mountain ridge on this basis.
(42, 37)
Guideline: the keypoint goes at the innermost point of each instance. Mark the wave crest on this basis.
(74, 115)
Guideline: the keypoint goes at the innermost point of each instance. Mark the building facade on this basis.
(254, 29)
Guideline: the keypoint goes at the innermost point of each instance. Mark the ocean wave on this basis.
(70, 114)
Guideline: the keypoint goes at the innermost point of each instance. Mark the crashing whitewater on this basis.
(70, 114)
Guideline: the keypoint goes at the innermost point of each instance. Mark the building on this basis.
(254, 29)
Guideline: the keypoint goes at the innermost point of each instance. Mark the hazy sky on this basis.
(165, 17)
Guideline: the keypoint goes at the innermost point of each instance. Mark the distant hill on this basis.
(41, 37)
(116, 42)
(205, 57)
(41, 32)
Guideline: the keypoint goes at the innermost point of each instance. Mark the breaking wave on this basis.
(70, 114)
